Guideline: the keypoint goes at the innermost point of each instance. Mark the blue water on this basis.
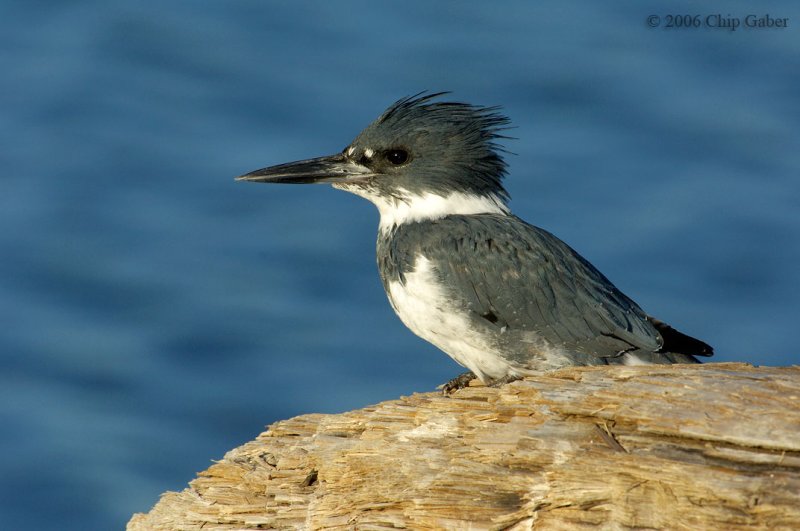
(155, 313)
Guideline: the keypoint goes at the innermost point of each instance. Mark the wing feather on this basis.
(522, 279)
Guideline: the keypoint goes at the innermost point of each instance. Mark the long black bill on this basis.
(333, 168)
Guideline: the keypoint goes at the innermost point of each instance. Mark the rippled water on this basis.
(156, 313)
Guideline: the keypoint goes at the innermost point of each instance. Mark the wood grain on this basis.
(714, 446)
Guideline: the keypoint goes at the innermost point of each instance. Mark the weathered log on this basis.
(714, 446)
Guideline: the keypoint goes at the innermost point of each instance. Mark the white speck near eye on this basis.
(350, 151)
(368, 153)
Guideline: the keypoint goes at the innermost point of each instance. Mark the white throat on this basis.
(409, 208)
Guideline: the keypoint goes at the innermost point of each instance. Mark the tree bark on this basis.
(714, 446)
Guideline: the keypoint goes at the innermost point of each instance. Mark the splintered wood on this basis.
(713, 446)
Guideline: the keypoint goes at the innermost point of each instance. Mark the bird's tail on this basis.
(677, 346)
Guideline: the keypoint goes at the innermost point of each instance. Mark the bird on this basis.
(503, 298)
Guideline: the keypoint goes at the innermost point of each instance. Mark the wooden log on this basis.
(714, 446)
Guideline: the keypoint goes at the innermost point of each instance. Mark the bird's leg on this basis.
(504, 380)
(459, 382)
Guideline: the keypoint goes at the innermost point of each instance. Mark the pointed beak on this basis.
(330, 169)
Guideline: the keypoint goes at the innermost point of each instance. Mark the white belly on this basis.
(422, 305)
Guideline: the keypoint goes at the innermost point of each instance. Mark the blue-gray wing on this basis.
(519, 279)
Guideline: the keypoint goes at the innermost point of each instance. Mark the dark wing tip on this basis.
(679, 342)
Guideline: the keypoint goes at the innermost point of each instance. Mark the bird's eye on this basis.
(397, 156)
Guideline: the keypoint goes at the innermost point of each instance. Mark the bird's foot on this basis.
(459, 382)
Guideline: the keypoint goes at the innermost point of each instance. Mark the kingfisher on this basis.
(503, 298)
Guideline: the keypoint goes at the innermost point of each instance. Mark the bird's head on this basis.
(418, 148)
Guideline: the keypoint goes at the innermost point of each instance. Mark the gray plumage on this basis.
(500, 296)
(513, 280)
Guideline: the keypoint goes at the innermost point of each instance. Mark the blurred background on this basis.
(156, 314)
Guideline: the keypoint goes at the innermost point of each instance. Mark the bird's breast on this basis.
(427, 308)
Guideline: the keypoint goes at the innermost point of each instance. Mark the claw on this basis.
(459, 382)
